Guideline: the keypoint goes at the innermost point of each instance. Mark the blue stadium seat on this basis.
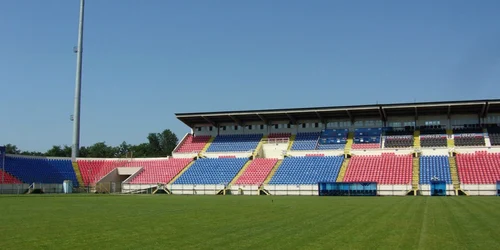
(306, 141)
(332, 139)
(330, 146)
(308, 170)
(40, 169)
(212, 171)
(434, 166)
(235, 143)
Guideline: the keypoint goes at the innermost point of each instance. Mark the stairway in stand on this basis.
(348, 145)
(343, 170)
(207, 145)
(290, 143)
(451, 142)
(454, 173)
(181, 172)
(79, 178)
(242, 170)
(416, 174)
(416, 139)
(259, 146)
(273, 171)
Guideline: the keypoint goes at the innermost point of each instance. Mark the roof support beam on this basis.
(416, 114)
(262, 119)
(350, 116)
(484, 111)
(209, 121)
(382, 113)
(236, 120)
(320, 117)
(449, 112)
(292, 119)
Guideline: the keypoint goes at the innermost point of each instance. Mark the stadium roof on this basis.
(380, 111)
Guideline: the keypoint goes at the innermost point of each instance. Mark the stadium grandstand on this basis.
(433, 148)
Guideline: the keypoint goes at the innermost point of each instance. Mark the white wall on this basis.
(205, 130)
(479, 189)
(425, 189)
(282, 128)
(292, 189)
(434, 151)
(324, 152)
(198, 189)
(310, 126)
(443, 119)
(274, 150)
(400, 121)
(236, 154)
(380, 151)
(393, 190)
(245, 189)
(472, 150)
(464, 119)
(13, 188)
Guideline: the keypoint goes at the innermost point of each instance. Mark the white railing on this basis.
(276, 140)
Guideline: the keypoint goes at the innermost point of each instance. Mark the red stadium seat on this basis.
(384, 169)
(257, 172)
(361, 146)
(8, 178)
(479, 168)
(154, 170)
(193, 144)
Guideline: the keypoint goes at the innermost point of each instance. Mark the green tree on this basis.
(32, 153)
(84, 152)
(59, 151)
(158, 145)
(123, 149)
(142, 150)
(101, 150)
(12, 149)
(162, 144)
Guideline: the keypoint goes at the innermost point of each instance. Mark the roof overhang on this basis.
(352, 113)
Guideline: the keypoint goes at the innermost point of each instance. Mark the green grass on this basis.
(231, 222)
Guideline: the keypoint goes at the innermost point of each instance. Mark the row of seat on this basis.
(479, 168)
(235, 143)
(159, 171)
(6, 178)
(435, 168)
(212, 171)
(469, 140)
(434, 141)
(383, 169)
(193, 144)
(308, 170)
(399, 141)
(154, 170)
(495, 139)
(309, 141)
(279, 135)
(257, 171)
(40, 169)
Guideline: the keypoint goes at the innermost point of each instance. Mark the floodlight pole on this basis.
(78, 85)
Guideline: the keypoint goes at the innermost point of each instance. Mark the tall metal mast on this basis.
(78, 84)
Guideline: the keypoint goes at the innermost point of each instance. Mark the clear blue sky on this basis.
(146, 60)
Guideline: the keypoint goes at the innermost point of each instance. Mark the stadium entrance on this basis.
(438, 188)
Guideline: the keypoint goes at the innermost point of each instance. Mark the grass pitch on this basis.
(232, 222)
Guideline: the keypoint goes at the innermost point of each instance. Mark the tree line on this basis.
(157, 145)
